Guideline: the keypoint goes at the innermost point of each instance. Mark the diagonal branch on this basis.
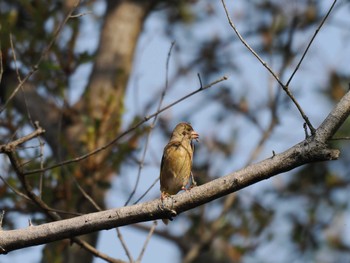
(121, 135)
(10, 150)
(152, 126)
(13, 144)
(311, 41)
(285, 87)
(312, 149)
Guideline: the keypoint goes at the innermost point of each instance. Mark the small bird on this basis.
(176, 166)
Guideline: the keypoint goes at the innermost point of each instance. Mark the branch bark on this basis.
(312, 149)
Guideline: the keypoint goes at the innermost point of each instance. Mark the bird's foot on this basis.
(193, 182)
(185, 189)
(170, 212)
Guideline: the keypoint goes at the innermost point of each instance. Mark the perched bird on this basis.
(175, 169)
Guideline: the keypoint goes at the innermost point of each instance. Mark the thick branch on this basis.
(305, 152)
(335, 119)
(312, 149)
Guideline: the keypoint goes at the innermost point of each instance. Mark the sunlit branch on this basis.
(312, 149)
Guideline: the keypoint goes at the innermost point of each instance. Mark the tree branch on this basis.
(312, 149)
(35, 67)
(122, 134)
(334, 119)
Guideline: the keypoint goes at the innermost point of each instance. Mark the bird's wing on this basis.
(170, 144)
(192, 146)
(179, 144)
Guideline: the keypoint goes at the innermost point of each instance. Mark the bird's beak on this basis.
(194, 136)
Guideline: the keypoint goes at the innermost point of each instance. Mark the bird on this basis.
(176, 164)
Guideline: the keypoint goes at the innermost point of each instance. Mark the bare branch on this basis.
(1, 65)
(9, 147)
(305, 152)
(312, 149)
(284, 87)
(127, 252)
(341, 138)
(15, 59)
(41, 58)
(98, 208)
(151, 231)
(87, 196)
(311, 41)
(81, 14)
(17, 192)
(95, 252)
(248, 46)
(146, 192)
(334, 119)
(152, 125)
(41, 179)
(121, 135)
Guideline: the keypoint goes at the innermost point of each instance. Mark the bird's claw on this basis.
(169, 211)
(185, 189)
(163, 198)
(172, 213)
(193, 182)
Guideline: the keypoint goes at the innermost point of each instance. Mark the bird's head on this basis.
(184, 131)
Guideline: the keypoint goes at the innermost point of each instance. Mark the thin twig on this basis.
(9, 147)
(98, 208)
(127, 252)
(95, 252)
(17, 192)
(15, 59)
(273, 102)
(41, 179)
(86, 195)
(11, 154)
(58, 211)
(340, 138)
(152, 125)
(247, 45)
(81, 14)
(29, 161)
(311, 41)
(1, 65)
(2, 218)
(211, 231)
(19, 86)
(151, 231)
(48, 210)
(121, 135)
(41, 58)
(200, 79)
(284, 87)
(146, 192)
